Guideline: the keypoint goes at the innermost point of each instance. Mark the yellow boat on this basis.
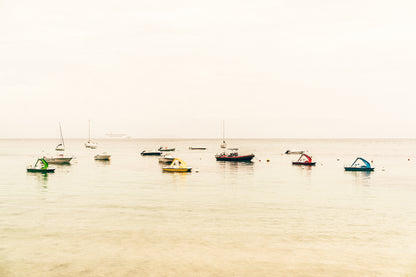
(177, 166)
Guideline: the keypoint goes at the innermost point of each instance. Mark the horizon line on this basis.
(207, 138)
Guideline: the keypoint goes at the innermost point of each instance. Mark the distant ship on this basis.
(118, 136)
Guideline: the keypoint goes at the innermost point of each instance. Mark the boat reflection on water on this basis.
(235, 167)
(102, 162)
(360, 177)
(41, 178)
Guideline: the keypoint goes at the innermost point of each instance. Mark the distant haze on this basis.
(178, 68)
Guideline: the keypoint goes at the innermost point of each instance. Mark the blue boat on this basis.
(357, 166)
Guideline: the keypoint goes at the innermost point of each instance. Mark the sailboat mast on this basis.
(89, 130)
(62, 137)
(223, 131)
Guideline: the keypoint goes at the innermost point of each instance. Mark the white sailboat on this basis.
(224, 144)
(90, 144)
(60, 146)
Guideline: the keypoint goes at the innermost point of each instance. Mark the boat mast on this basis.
(89, 131)
(62, 137)
(223, 131)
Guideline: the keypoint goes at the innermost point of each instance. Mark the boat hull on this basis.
(304, 163)
(40, 170)
(288, 152)
(150, 153)
(245, 158)
(91, 146)
(197, 148)
(58, 160)
(102, 157)
(166, 160)
(166, 149)
(359, 169)
(171, 169)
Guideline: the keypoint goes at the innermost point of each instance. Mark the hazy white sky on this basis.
(155, 68)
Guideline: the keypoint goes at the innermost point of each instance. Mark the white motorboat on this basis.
(294, 152)
(150, 153)
(102, 157)
(60, 146)
(166, 159)
(60, 159)
(90, 144)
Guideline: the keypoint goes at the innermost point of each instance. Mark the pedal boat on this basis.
(40, 166)
(304, 160)
(357, 166)
(233, 156)
(177, 166)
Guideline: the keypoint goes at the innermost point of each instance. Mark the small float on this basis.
(41, 166)
(359, 164)
(304, 159)
(166, 159)
(166, 149)
(233, 156)
(102, 157)
(177, 166)
(197, 148)
(151, 153)
(294, 152)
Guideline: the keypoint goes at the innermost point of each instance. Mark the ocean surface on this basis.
(128, 218)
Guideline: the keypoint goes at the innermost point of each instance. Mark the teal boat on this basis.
(41, 166)
(358, 166)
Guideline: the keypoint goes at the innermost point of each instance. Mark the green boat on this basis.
(41, 166)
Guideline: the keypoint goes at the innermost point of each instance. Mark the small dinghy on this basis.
(41, 166)
(177, 166)
(304, 160)
(60, 159)
(151, 153)
(102, 157)
(166, 149)
(233, 156)
(166, 159)
(295, 152)
(359, 164)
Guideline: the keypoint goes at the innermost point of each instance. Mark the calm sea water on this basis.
(127, 218)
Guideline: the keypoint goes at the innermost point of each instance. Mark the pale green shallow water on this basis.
(127, 218)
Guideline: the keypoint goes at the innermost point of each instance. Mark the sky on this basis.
(177, 69)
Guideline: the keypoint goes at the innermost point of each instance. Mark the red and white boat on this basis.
(233, 156)
(304, 159)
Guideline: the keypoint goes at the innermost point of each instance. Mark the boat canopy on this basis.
(233, 149)
(367, 164)
(44, 162)
(178, 163)
(305, 157)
